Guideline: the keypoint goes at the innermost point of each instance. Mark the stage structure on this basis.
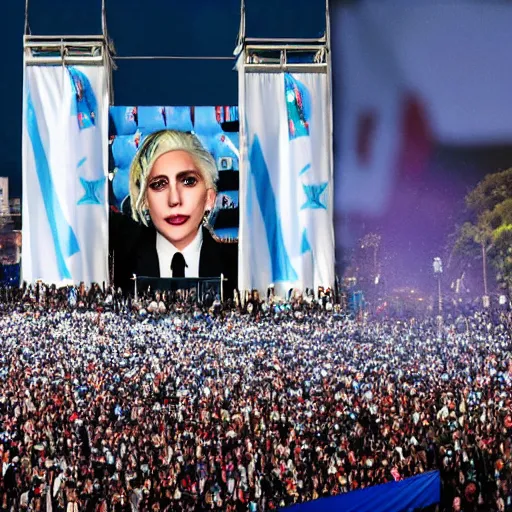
(66, 96)
(286, 233)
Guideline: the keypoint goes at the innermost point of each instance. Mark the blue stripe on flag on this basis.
(282, 269)
(305, 245)
(64, 239)
(305, 169)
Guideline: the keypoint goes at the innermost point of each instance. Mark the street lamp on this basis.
(438, 270)
(485, 298)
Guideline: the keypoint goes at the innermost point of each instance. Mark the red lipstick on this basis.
(177, 220)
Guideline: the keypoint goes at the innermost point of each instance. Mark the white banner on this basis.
(65, 162)
(286, 232)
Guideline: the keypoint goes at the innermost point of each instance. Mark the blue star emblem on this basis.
(93, 191)
(314, 196)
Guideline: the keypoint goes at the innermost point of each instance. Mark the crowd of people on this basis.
(107, 409)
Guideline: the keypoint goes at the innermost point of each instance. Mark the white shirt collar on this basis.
(191, 253)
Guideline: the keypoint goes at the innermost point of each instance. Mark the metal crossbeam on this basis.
(64, 50)
(275, 55)
(287, 57)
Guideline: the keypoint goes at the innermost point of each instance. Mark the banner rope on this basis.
(170, 57)
(27, 28)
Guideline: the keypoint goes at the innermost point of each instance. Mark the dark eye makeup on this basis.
(158, 183)
(187, 178)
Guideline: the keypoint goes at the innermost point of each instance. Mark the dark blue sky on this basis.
(147, 27)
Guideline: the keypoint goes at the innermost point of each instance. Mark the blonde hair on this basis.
(154, 146)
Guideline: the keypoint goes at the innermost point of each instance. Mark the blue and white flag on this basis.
(65, 162)
(286, 213)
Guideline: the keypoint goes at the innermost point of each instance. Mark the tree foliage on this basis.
(489, 225)
(493, 190)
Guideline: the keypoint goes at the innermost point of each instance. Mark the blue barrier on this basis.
(411, 494)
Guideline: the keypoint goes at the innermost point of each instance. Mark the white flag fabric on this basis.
(65, 162)
(286, 235)
(410, 76)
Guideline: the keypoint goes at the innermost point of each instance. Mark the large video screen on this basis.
(216, 127)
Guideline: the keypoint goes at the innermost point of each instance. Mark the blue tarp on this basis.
(405, 496)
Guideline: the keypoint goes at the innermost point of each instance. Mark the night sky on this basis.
(148, 27)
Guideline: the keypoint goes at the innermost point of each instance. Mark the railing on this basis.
(50, 50)
(285, 55)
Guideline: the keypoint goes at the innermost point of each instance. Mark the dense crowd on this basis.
(110, 410)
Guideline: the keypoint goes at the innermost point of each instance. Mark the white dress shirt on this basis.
(165, 251)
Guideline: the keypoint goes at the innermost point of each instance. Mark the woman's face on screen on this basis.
(177, 197)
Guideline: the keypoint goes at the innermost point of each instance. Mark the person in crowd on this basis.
(186, 410)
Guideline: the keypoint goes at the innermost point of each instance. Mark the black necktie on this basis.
(178, 265)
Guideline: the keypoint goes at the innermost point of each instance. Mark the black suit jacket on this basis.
(133, 251)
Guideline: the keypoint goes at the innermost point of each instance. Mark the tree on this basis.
(490, 192)
(488, 231)
(500, 220)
